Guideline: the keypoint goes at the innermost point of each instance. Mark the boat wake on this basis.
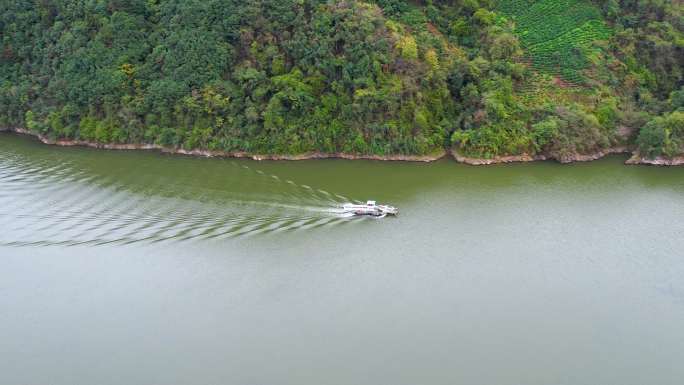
(54, 202)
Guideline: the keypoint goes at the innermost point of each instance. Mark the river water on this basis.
(143, 268)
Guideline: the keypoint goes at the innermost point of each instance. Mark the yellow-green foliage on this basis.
(408, 47)
(432, 59)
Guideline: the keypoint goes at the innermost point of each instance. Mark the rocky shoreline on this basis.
(635, 159)
(572, 158)
(659, 161)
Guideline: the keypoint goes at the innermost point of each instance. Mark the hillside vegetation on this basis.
(485, 78)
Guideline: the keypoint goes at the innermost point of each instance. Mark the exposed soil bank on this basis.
(635, 159)
(496, 160)
(228, 154)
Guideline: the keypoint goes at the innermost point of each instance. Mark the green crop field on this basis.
(557, 34)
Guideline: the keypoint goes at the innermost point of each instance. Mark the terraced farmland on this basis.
(557, 34)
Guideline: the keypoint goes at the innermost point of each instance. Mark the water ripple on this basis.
(55, 200)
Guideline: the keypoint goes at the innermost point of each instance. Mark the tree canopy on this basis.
(487, 77)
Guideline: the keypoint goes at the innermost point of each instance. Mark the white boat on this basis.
(370, 208)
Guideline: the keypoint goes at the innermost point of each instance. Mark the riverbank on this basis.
(635, 158)
(658, 161)
(226, 154)
(571, 158)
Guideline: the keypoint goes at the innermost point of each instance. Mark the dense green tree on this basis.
(384, 77)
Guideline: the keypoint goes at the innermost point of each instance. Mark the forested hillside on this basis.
(483, 77)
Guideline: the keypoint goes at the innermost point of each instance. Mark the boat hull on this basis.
(369, 210)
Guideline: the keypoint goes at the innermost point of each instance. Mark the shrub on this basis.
(662, 135)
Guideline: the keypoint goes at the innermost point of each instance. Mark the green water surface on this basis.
(142, 268)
